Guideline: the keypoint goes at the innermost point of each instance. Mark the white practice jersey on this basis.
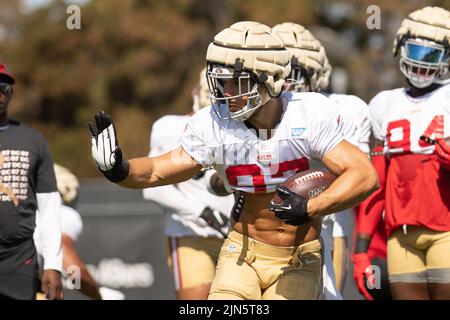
(308, 129)
(355, 113)
(399, 120)
(185, 201)
(71, 226)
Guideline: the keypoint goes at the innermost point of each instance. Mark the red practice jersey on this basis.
(417, 188)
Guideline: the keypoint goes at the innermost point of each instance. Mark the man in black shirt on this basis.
(27, 192)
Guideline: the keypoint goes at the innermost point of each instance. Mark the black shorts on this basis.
(19, 274)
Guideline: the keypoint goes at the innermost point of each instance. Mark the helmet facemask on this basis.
(248, 90)
(298, 80)
(423, 62)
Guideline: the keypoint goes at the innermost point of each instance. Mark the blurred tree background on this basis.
(139, 59)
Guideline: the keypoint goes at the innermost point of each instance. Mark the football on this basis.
(308, 184)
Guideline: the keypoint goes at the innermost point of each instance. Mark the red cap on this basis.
(4, 75)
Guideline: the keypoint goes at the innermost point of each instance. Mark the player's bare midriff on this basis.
(257, 222)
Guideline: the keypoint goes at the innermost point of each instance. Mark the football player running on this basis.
(411, 124)
(255, 139)
(311, 73)
(196, 220)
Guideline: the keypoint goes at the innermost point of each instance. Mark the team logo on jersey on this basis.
(264, 157)
(264, 153)
(297, 132)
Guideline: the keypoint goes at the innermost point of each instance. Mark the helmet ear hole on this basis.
(276, 77)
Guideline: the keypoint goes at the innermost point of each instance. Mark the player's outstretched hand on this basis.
(105, 148)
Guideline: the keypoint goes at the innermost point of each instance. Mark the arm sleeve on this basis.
(49, 221)
(371, 210)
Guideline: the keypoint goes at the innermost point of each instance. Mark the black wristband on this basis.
(362, 245)
(118, 173)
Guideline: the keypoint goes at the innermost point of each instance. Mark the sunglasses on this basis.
(5, 88)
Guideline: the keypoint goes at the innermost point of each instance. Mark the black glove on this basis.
(216, 220)
(294, 208)
(105, 148)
